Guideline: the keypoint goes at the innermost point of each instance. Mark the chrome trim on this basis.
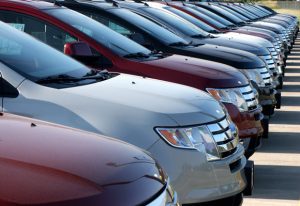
(228, 146)
(225, 136)
(249, 96)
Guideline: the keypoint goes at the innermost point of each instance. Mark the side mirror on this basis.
(82, 53)
(7, 90)
(77, 49)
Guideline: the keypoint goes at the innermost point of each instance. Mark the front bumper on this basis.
(195, 179)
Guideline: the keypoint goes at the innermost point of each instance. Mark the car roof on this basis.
(100, 4)
(32, 3)
(133, 4)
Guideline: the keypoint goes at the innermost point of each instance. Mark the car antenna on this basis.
(166, 2)
(139, 1)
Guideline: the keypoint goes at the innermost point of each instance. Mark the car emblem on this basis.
(239, 82)
(218, 111)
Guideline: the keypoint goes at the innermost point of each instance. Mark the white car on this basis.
(186, 130)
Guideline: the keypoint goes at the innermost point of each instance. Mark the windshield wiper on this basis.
(178, 44)
(136, 55)
(94, 74)
(63, 78)
(198, 36)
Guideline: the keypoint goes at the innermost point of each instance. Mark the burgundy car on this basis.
(48, 164)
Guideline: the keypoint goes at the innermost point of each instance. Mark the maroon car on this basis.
(48, 164)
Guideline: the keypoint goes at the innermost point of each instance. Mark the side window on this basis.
(43, 31)
(111, 24)
(122, 29)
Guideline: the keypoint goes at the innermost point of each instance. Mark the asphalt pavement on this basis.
(277, 162)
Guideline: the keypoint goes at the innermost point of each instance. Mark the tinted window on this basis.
(231, 17)
(148, 26)
(191, 19)
(41, 30)
(214, 16)
(110, 39)
(33, 59)
(205, 17)
(180, 24)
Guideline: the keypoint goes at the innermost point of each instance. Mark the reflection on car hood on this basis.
(237, 58)
(196, 72)
(46, 163)
(234, 43)
(125, 107)
(244, 38)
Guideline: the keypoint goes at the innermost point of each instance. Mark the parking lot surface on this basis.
(277, 162)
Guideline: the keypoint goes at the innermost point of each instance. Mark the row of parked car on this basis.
(189, 84)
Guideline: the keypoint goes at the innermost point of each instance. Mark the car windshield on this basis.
(206, 18)
(112, 40)
(180, 24)
(191, 19)
(230, 16)
(148, 26)
(35, 60)
(214, 16)
(238, 15)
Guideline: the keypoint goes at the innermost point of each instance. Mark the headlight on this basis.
(254, 75)
(233, 96)
(198, 138)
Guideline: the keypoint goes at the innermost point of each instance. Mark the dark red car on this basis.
(48, 164)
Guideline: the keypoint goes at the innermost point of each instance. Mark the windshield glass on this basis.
(180, 24)
(214, 16)
(148, 26)
(232, 18)
(192, 19)
(35, 60)
(234, 13)
(205, 17)
(112, 40)
(243, 11)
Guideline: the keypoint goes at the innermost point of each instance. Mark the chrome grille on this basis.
(265, 75)
(270, 62)
(273, 53)
(249, 96)
(277, 47)
(225, 135)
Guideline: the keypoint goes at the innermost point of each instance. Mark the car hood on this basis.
(257, 29)
(247, 39)
(55, 164)
(127, 107)
(227, 41)
(254, 33)
(267, 25)
(199, 72)
(212, 50)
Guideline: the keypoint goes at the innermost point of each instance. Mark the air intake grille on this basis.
(225, 135)
(265, 75)
(273, 53)
(249, 96)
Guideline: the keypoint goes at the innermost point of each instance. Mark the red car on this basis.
(48, 164)
(117, 53)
